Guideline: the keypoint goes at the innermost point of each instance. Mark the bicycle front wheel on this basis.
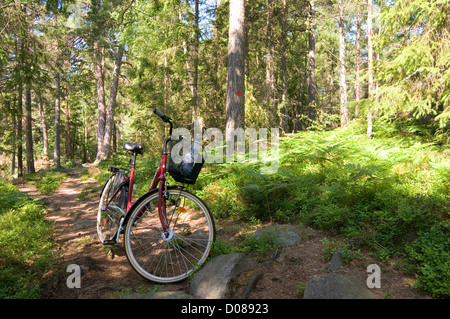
(171, 256)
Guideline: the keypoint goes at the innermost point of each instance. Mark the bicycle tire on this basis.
(172, 257)
(108, 221)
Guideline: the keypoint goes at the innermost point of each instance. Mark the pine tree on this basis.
(415, 75)
(235, 105)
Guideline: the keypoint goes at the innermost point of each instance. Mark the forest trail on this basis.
(106, 273)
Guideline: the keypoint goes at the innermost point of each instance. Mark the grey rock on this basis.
(336, 261)
(286, 235)
(212, 281)
(335, 286)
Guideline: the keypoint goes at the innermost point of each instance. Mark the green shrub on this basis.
(382, 193)
(47, 182)
(26, 244)
(429, 256)
(263, 244)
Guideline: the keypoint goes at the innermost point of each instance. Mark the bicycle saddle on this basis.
(132, 147)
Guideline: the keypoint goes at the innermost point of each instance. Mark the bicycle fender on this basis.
(126, 181)
(136, 203)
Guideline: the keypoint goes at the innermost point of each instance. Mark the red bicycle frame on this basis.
(160, 177)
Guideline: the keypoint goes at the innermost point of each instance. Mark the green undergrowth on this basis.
(389, 194)
(27, 246)
(46, 182)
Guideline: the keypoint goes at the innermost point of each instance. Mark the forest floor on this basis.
(106, 273)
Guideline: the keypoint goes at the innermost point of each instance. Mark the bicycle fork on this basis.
(162, 193)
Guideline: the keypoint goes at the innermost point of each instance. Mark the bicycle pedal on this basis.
(109, 242)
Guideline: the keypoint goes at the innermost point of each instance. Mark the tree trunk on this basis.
(84, 133)
(283, 111)
(114, 138)
(43, 125)
(215, 86)
(99, 78)
(195, 53)
(109, 122)
(370, 60)
(14, 138)
(269, 64)
(358, 59)
(235, 103)
(68, 139)
(342, 78)
(29, 131)
(311, 66)
(57, 142)
(19, 130)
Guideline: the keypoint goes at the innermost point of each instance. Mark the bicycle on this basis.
(168, 232)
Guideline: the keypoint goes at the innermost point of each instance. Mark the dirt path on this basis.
(106, 272)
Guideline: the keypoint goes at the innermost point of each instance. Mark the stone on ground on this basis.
(212, 281)
(336, 286)
(286, 235)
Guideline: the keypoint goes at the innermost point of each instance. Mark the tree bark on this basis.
(269, 82)
(43, 125)
(370, 60)
(99, 78)
(342, 72)
(84, 133)
(29, 131)
(57, 139)
(358, 59)
(195, 53)
(19, 108)
(311, 66)
(14, 137)
(19, 130)
(109, 121)
(235, 103)
(68, 138)
(215, 76)
(283, 111)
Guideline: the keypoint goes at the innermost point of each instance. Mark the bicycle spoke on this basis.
(171, 256)
(183, 258)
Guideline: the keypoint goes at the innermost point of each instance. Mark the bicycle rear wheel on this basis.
(172, 256)
(109, 215)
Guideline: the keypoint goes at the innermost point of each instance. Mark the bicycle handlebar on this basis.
(163, 117)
